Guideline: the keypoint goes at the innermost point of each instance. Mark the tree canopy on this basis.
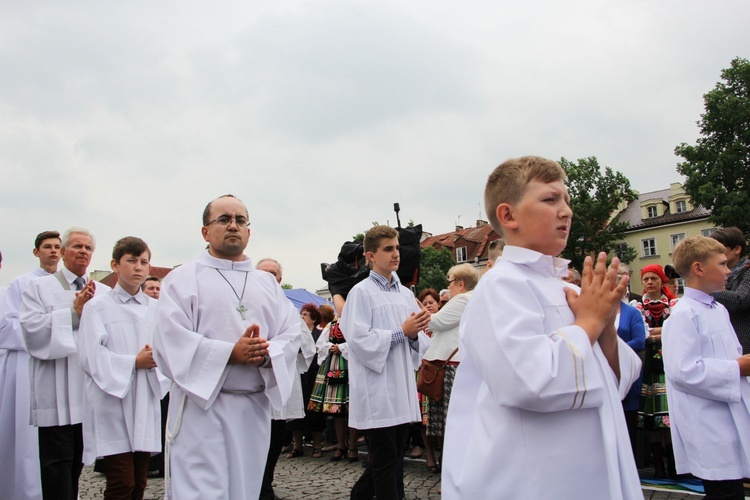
(595, 195)
(433, 268)
(717, 168)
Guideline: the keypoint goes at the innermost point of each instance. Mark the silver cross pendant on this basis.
(242, 309)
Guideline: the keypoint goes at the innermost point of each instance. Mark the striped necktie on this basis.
(79, 282)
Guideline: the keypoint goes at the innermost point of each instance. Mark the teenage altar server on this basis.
(19, 442)
(228, 339)
(51, 310)
(123, 386)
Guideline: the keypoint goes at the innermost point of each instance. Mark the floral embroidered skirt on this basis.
(331, 390)
(655, 414)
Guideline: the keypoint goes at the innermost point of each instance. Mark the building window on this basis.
(461, 254)
(652, 211)
(649, 247)
(681, 206)
(621, 249)
(674, 239)
(707, 232)
(680, 286)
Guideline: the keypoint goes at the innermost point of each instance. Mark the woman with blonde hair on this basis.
(444, 327)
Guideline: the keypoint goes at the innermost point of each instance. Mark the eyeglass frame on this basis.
(228, 223)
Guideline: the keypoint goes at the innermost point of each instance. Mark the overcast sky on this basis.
(128, 117)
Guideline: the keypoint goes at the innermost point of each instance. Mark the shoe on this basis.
(286, 449)
(340, 452)
(433, 468)
(352, 455)
(317, 453)
(294, 453)
(416, 452)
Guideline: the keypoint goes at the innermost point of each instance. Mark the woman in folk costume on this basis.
(655, 306)
(330, 393)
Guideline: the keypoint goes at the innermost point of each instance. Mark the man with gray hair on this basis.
(51, 308)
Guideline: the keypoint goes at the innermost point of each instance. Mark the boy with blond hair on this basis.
(535, 410)
(706, 374)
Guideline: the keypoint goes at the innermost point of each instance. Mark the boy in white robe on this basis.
(51, 309)
(706, 375)
(381, 322)
(123, 386)
(19, 440)
(535, 409)
(228, 339)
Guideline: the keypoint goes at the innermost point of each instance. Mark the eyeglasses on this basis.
(226, 220)
(451, 280)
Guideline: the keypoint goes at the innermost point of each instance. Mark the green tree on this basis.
(433, 268)
(287, 286)
(717, 168)
(594, 196)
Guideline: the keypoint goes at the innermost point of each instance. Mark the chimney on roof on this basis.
(459, 228)
(481, 222)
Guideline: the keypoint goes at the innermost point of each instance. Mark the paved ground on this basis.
(305, 477)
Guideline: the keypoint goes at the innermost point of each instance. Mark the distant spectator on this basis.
(494, 252)
(152, 287)
(445, 296)
(736, 298)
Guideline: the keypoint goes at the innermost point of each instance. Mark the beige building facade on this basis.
(657, 222)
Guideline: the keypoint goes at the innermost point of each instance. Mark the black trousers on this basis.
(730, 489)
(278, 433)
(380, 478)
(61, 460)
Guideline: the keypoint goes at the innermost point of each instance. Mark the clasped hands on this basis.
(250, 349)
(596, 307)
(415, 323)
(82, 296)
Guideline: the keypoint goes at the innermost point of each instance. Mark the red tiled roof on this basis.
(475, 239)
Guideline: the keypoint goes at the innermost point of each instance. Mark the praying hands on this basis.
(250, 349)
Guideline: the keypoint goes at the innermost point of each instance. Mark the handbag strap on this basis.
(451, 356)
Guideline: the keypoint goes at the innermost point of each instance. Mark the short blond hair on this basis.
(694, 249)
(375, 234)
(507, 183)
(466, 273)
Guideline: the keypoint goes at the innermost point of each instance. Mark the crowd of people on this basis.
(548, 375)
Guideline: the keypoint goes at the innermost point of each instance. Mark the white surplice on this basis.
(382, 387)
(295, 407)
(19, 440)
(535, 409)
(709, 402)
(49, 325)
(220, 448)
(122, 404)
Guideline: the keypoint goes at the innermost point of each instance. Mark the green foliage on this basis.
(433, 268)
(717, 168)
(287, 286)
(594, 196)
(359, 237)
(626, 253)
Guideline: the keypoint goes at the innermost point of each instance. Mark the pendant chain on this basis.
(240, 306)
